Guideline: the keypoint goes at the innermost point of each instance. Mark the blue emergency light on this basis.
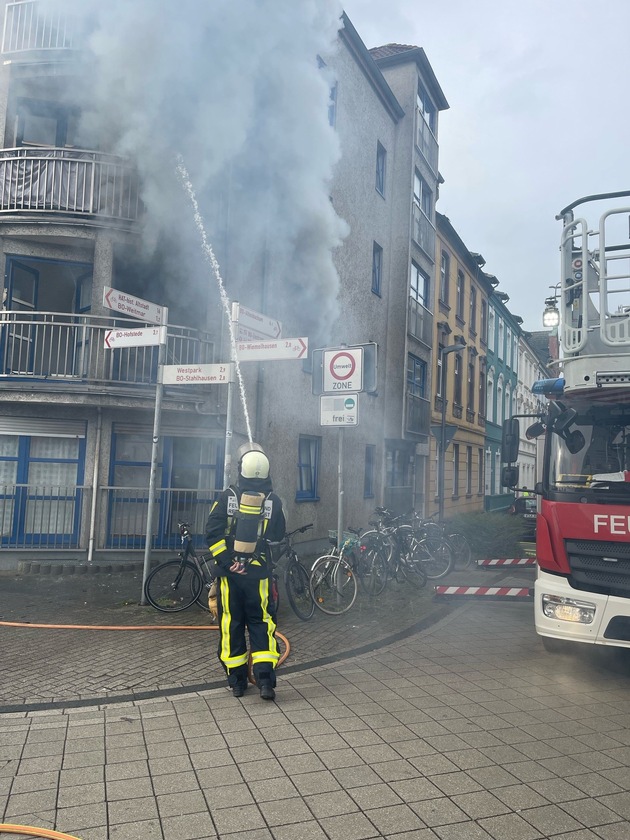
(548, 386)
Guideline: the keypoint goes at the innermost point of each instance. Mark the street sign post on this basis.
(197, 374)
(133, 306)
(257, 325)
(343, 370)
(267, 351)
(339, 411)
(142, 337)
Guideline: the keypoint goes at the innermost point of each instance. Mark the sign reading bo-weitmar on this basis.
(133, 306)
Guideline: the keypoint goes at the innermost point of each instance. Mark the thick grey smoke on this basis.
(233, 86)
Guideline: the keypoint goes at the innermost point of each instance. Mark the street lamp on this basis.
(551, 315)
(453, 348)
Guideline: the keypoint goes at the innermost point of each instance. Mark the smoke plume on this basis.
(235, 88)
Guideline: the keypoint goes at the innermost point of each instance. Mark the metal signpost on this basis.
(342, 373)
(148, 312)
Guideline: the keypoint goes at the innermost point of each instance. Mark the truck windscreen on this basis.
(601, 465)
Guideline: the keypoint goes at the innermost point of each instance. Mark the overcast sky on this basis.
(539, 96)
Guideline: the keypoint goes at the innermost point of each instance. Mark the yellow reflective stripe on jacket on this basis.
(218, 547)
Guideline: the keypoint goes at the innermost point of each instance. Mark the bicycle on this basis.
(295, 577)
(333, 582)
(459, 545)
(407, 556)
(177, 584)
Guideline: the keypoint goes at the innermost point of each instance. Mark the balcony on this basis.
(68, 182)
(423, 232)
(420, 322)
(29, 25)
(426, 142)
(51, 347)
(418, 415)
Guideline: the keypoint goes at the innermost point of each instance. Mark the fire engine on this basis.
(582, 589)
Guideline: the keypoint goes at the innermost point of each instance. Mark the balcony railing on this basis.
(423, 232)
(420, 322)
(57, 347)
(68, 181)
(418, 415)
(426, 142)
(30, 25)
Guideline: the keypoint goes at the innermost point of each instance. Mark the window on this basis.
(40, 123)
(456, 469)
(490, 389)
(416, 376)
(332, 106)
(501, 340)
(491, 330)
(419, 285)
(471, 384)
(480, 474)
(508, 347)
(440, 367)
(426, 107)
(457, 393)
(422, 195)
(445, 268)
(482, 387)
(469, 467)
(472, 319)
(377, 268)
(484, 321)
(381, 156)
(309, 448)
(368, 478)
(459, 307)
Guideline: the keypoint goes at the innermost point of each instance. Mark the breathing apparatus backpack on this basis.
(248, 512)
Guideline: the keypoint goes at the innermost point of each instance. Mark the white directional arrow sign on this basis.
(257, 324)
(151, 313)
(268, 351)
(197, 374)
(135, 338)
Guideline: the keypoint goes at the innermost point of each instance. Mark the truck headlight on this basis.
(568, 609)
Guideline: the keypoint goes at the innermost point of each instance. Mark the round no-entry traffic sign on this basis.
(343, 370)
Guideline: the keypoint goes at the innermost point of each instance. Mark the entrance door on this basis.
(20, 336)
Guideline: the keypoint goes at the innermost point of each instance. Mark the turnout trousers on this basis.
(244, 605)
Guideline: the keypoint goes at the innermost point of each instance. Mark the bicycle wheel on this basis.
(173, 586)
(440, 560)
(371, 567)
(462, 555)
(413, 557)
(332, 584)
(296, 584)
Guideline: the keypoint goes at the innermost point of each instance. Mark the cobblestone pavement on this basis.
(460, 727)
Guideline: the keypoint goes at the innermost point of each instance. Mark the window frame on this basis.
(418, 274)
(381, 168)
(369, 472)
(445, 271)
(377, 268)
(308, 466)
(460, 294)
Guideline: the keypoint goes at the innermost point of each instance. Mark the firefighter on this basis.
(241, 523)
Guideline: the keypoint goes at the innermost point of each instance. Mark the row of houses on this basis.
(77, 418)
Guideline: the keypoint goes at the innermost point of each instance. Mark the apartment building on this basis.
(504, 331)
(530, 369)
(77, 412)
(459, 377)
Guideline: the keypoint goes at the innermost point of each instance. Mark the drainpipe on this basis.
(97, 463)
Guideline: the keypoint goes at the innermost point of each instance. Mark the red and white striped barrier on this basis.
(485, 591)
(513, 561)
